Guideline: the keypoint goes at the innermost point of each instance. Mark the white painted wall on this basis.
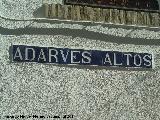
(86, 92)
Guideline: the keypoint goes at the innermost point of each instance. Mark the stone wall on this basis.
(107, 15)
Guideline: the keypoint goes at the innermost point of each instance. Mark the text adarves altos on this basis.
(23, 53)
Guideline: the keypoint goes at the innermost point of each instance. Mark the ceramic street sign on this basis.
(22, 53)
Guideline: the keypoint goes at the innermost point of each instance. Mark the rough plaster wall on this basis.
(89, 93)
(86, 92)
(22, 8)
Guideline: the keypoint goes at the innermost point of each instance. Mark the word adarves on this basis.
(21, 53)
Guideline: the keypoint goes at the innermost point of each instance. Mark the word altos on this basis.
(21, 53)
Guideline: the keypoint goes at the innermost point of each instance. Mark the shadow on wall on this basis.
(39, 13)
(79, 33)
